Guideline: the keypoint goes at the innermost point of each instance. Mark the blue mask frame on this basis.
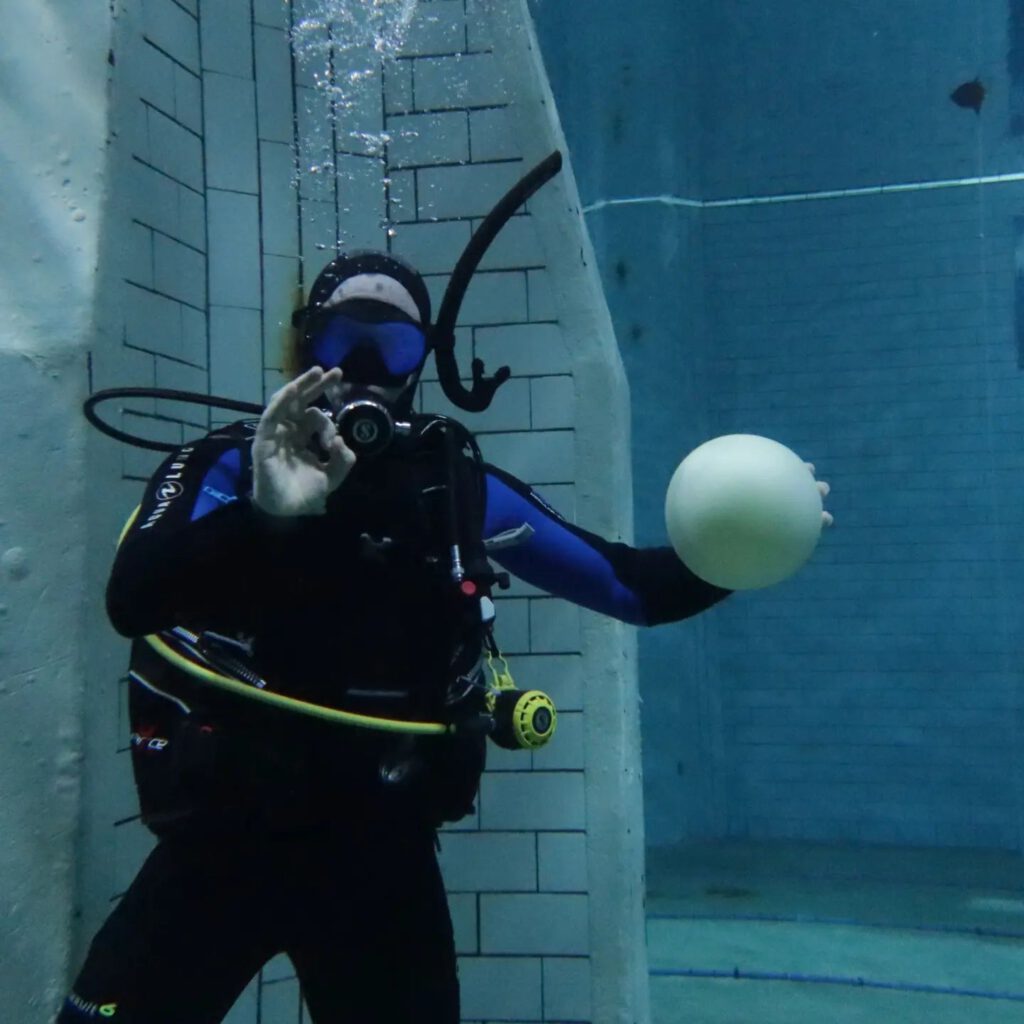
(400, 345)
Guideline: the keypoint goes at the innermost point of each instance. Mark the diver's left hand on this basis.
(823, 487)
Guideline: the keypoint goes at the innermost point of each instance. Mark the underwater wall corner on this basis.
(604, 503)
(53, 142)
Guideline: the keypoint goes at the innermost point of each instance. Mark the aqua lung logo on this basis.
(169, 488)
(104, 1010)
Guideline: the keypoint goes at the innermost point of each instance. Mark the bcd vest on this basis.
(374, 620)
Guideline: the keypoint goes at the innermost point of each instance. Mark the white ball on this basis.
(743, 512)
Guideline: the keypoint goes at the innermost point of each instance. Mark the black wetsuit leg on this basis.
(360, 910)
(372, 939)
(182, 943)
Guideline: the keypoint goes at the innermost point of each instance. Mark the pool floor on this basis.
(766, 933)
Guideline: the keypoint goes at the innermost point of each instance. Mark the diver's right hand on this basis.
(288, 479)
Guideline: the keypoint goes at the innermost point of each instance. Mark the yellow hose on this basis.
(277, 699)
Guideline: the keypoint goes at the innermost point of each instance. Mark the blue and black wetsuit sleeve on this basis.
(642, 586)
(198, 549)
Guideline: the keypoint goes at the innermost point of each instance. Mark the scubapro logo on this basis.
(148, 742)
(366, 431)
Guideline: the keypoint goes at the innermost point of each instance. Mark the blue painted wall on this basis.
(876, 696)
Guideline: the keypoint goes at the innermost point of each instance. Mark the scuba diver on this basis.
(330, 560)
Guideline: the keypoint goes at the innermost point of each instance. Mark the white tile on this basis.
(419, 139)
(191, 225)
(562, 860)
(535, 923)
(559, 676)
(231, 160)
(132, 845)
(398, 86)
(512, 630)
(180, 377)
(361, 210)
(279, 205)
(114, 365)
(466, 191)
(554, 626)
(173, 30)
(271, 12)
(180, 271)
(535, 458)
(529, 348)
(552, 403)
(567, 986)
(152, 199)
(234, 249)
(279, 1002)
(479, 32)
(153, 77)
(278, 968)
(533, 800)
(500, 988)
(516, 245)
(489, 862)
(120, 799)
(316, 145)
(226, 33)
(501, 760)
(565, 750)
(402, 196)
(446, 83)
(132, 126)
(495, 298)
(319, 236)
(359, 108)
(274, 97)
(311, 43)
(138, 257)
(431, 248)
(435, 29)
(462, 907)
(152, 322)
(281, 295)
(491, 135)
(193, 336)
(541, 301)
(188, 104)
(236, 353)
(509, 410)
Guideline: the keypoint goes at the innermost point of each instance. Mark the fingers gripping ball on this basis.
(743, 512)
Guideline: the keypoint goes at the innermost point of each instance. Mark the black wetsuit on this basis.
(284, 833)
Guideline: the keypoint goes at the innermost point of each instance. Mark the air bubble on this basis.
(341, 46)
